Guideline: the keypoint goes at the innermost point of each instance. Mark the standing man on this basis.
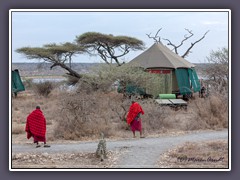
(36, 127)
(133, 118)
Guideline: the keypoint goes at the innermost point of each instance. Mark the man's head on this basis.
(37, 107)
(133, 100)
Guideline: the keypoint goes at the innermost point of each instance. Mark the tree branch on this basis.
(156, 38)
(192, 44)
(55, 64)
(175, 47)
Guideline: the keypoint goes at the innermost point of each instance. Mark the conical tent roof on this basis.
(159, 55)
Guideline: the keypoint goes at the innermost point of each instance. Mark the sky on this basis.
(37, 28)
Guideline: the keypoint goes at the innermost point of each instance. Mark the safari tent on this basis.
(179, 75)
(17, 85)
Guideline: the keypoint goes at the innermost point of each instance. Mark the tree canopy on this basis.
(57, 54)
(218, 70)
(109, 47)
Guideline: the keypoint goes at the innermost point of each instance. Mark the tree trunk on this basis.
(71, 72)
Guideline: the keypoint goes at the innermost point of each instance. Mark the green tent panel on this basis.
(183, 81)
(131, 89)
(194, 80)
(17, 84)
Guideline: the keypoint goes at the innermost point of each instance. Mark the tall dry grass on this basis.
(210, 112)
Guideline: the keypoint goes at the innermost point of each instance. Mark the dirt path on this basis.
(139, 153)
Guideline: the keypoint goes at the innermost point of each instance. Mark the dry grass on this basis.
(83, 115)
(18, 129)
(210, 113)
(208, 154)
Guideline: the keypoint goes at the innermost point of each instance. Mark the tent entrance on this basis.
(194, 80)
(187, 80)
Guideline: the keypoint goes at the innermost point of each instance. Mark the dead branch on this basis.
(186, 37)
(192, 44)
(156, 38)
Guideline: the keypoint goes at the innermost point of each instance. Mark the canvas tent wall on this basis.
(165, 77)
(17, 84)
(182, 73)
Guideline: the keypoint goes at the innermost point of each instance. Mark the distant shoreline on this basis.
(43, 70)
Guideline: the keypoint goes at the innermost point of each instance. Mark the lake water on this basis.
(39, 80)
(62, 87)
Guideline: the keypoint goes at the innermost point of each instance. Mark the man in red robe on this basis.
(36, 127)
(133, 118)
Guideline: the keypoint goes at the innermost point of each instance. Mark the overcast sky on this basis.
(35, 29)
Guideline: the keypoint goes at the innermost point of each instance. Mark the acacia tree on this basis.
(157, 39)
(109, 48)
(56, 54)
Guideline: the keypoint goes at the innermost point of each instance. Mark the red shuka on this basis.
(134, 110)
(36, 124)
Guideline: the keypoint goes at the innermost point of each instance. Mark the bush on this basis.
(84, 115)
(105, 78)
(87, 113)
(28, 83)
(43, 88)
(155, 117)
(71, 80)
(211, 112)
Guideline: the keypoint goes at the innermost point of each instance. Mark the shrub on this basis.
(155, 117)
(84, 115)
(28, 83)
(71, 80)
(211, 112)
(105, 77)
(43, 88)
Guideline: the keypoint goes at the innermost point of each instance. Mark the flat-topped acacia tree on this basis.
(110, 48)
(56, 54)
